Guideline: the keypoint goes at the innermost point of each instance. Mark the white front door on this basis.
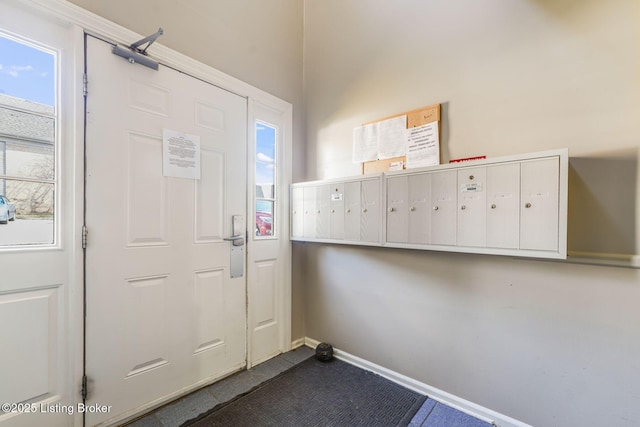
(164, 314)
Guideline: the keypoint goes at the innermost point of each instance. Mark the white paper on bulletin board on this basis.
(423, 146)
(392, 137)
(180, 154)
(365, 143)
(380, 140)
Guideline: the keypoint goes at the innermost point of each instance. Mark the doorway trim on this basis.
(110, 31)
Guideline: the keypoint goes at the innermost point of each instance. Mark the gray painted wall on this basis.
(548, 343)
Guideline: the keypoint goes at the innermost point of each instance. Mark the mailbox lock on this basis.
(471, 177)
(412, 208)
(493, 206)
(333, 211)
(348, 210)
(392, 209)
(364, 210)
(435, 208)
(463, 207)
(528, 205)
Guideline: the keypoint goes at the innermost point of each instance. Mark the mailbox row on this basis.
(514, 205)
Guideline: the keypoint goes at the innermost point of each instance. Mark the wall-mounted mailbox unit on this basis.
(340, 211)
(515, 205)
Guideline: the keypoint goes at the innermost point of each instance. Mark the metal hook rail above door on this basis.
(135, 55)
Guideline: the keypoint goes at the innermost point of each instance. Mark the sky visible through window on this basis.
(265, 154)
(27, 171)
(265, 178)
(26, 72)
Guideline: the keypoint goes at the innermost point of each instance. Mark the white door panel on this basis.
(397, 209)
(39, 325)
(539, 204)
(265, 301)
(309, 211)
(352, 191)
(269, 257)
(336, 211)
(419, 209)
(472, 213)
(503, 206)
(322, 211)
(297, 227)
(443, 208)
(370, 211)
(163, 313)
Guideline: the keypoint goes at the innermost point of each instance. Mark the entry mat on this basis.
(436, 414)
(315, 393)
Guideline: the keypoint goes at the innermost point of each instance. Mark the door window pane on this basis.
(26, 159)
(264, 218)
(27, 144)
(265, 180)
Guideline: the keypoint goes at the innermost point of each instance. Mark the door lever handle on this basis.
(236, 240)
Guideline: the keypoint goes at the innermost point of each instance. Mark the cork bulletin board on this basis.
(415, 118)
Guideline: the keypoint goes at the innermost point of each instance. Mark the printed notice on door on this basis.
(180, 154)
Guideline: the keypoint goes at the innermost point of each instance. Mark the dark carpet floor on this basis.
(322, 394)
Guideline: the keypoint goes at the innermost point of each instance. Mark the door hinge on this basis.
(85, 235)
(84, 390)
(85, 84)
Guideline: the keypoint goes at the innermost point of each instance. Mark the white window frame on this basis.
(276, 190)
(57, 151)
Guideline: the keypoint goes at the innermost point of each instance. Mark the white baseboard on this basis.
(448, 399)
(297, 343)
